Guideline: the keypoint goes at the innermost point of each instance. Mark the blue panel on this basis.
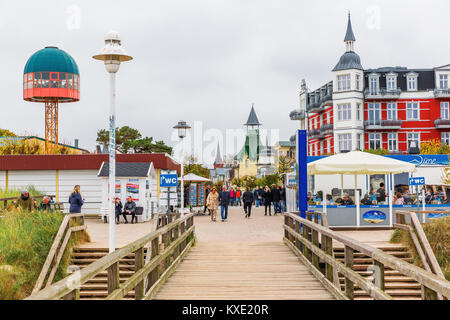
(418, 160)
(168, 180)
(302, 173)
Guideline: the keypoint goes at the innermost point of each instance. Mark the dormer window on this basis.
(411, 81)
(374, 83)
(391, 81)
(443, 81)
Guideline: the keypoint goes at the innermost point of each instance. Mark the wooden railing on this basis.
(313, 244)
(168, 245)
(58, 248)
(408, 220)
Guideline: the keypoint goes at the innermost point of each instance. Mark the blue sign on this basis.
(168, 180)
(302, 172)
(418, 160)
(374, 216)
(417, 181)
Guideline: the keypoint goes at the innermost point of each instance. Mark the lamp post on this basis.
(112, 54)
(182, 127)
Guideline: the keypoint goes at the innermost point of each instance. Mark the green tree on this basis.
(380, 151)
(192, 166)
(130, 139)
(7, 133)
(284, 166)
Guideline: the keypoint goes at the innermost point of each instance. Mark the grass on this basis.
(25, 240)
(438, 234)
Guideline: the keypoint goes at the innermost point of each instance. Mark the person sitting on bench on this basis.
(118, 206)
(129, 208)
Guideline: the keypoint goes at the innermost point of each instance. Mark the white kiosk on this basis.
(135, 179)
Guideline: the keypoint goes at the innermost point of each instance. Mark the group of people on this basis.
(275, 196)
(128, 209)
(25, 202)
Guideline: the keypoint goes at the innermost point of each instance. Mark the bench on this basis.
(138, 212)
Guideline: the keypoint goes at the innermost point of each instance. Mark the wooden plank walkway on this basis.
(242, 270)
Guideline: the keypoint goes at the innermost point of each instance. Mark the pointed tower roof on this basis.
(252, 118)
(349, 36)
(218, 160)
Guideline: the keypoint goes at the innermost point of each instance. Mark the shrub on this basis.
(25, 241)
(438, 234)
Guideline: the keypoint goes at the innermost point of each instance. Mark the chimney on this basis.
(98, 149)
(76, 143)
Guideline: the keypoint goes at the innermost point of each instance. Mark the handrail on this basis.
(176, 239)
(420, 241)
(310, 252)
(56, 251)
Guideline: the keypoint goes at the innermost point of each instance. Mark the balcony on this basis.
(326, 129)
(314, 134)
(442, 123)
(297, 114)
(383, 93)
(382, 124)
(442, 93)
(319, 106)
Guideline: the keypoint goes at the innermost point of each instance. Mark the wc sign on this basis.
(168, 180)
(417, 181)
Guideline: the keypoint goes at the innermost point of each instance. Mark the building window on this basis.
(374, 113)
(413, 137)
(392, 141)
(412, 82)
(373, 84)
(344, 112)
(444, 111)
(443, 81)
(412, 111)
(358, 141)
(358, 79)
(391, 81)
(445, 138)
(358, 111)
(345, 142)
(321, 148)
(392, 111)
(374, 141)
(343, 82)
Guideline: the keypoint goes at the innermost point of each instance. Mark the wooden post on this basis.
(349, 286)
(154, 274)
(139, 264)
(113, 277)
(379, 274)
(73, 295)
(315, 241)
(182, 231)
(306, 251)
(429, 294)
(298, 243)
(329, 250)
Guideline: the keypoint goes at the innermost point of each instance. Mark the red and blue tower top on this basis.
(51, 73)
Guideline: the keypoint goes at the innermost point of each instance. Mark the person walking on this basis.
(267, 199)
(207, 191)
(232, 196)
(212, 202)
(275, 199)
(283, 198)
(248, 198)
(75, 200)
(118, 209)
(130, 208)
(255, 196)
(224, 201)
(238, 196)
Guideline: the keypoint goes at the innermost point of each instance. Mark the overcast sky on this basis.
(206, 60)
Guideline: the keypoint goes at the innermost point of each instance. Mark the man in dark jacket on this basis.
(257, 195)
(275, 199)
(283, 198)
(206, 197)
(248, 201)
(129, 208)
(224, 201)
(381, 193)
(267, 199)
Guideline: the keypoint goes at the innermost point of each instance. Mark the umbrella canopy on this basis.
(358, 162)
(194, 178)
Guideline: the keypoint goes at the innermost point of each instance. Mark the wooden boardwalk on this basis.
(218, 269)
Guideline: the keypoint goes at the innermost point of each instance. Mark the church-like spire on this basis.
(252, 118)
(349, 36)
(218, 162)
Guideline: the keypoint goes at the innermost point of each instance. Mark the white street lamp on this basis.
(182, 127)
(112, 54)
